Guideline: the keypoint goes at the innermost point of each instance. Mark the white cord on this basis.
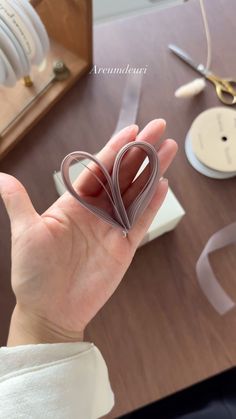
(207, 32)
(198, 85)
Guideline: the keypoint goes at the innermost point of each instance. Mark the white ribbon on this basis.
(209, 284)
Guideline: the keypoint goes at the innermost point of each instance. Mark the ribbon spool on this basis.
(23, 39)
(210, 144)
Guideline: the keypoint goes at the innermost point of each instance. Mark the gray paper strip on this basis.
(123, 218)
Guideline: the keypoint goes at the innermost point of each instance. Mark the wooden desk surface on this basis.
(157, 333)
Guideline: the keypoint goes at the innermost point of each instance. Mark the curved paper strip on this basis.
(206, 277)
(123, 218)
(76, 155)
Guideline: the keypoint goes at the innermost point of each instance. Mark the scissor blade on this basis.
(187, 59)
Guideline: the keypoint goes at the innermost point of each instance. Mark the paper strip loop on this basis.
(123, 218)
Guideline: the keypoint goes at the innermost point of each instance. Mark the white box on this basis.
(167, 218)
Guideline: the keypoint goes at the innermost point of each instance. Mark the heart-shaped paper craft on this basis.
(123, 218)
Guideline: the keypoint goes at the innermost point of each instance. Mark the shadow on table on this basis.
(214, 398)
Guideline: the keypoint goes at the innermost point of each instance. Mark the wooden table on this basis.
(157, 333)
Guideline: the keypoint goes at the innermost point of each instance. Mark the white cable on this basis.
(207, 33)
(196, 86)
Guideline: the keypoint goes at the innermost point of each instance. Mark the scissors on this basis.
(225, 88)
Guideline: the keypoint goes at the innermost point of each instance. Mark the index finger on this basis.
(87, 183)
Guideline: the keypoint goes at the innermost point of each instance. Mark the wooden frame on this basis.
(69, 25)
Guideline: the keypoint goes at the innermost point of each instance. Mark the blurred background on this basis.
(105, 10)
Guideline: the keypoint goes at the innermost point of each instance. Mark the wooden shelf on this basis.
(69, 25)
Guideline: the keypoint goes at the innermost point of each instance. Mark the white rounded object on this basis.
(3, 70)
(9, 57)
(36, 54)
(200, 167)
(191, 89)
(13, 50)
(10, 79)
(18, 24)
(37, 23)
(213, 138)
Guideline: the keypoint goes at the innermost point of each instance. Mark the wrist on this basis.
(28, 328)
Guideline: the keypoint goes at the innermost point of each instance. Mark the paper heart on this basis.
(123, 218)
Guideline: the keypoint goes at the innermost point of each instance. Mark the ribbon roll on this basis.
(122, 218)
(206, 277)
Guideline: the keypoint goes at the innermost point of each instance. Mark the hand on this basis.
(66, 263)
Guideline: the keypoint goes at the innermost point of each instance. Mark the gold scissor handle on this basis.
(225, 89)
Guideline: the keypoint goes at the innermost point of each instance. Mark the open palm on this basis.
(66, 263)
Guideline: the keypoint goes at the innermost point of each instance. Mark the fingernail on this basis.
(164, 180)
(125, 130)
(132, 127)
(162, 120)
(129, 128)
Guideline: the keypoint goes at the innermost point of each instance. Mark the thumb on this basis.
(17, 202)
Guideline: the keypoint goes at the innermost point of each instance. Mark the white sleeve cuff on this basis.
(63, 381)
